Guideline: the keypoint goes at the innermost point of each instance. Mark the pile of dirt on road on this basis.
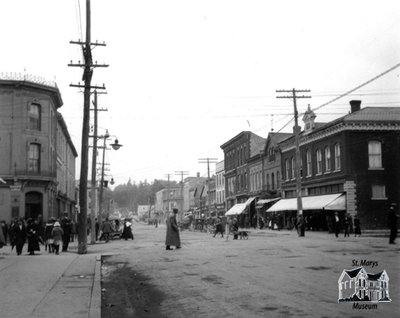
(126, 293)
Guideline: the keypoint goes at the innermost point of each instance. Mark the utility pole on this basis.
(93, 192)
(87, 78)
(208, 161)
(296, 131)
(181, 173)
(168, 175)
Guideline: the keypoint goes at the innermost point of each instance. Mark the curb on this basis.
(95, 299)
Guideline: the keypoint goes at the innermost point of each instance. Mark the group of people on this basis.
(54, 234)
(107, 228)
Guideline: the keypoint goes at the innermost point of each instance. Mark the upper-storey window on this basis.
(34, 158)
(293, 169)
(327, 159)
(309, 167)
(375, 154)
(35, 116)
(319, 161)
(337, 156)
(287, 168)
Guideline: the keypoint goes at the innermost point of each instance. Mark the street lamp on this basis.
(93, 191)
(116, 145)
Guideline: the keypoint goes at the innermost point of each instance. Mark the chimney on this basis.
(355, 105)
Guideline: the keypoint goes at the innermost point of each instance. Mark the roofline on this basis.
(53, 91)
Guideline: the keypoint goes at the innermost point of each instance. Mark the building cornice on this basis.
(341, 127)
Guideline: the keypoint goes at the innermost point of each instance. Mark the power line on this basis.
(359, 86)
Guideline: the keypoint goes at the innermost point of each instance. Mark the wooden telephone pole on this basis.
(296, 131)
(208, 161)
(88, 67)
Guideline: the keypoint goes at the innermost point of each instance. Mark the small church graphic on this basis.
(358, 285)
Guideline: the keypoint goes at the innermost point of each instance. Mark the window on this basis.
(327, 159)
(287, 169)
(319, 161)
(34, 158)
(34, 117)
(309, 167)
(293, 169)
(272, 181)
(378, 192)
(337, 156)
(375, 154)
(278, 180)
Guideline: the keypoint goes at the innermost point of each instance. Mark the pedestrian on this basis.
(67, 229)
(97, 228)
(106, 229)
(127, 230)
(347, 225)
(2, 239)
(172, 237)
(19, 236)
(235, 229)
(57, 233)
(301, 225)
(392, 220)
(219, 228)
(48, 238)
(357, 226)
(32, 233)
(336, 224)
(4, 227)
(156, 223)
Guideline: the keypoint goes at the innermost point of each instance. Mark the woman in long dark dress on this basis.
(32, 232)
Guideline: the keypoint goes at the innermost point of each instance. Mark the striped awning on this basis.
(239, 207)
(335, 201)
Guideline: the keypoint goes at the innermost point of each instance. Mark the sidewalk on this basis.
(49, 285)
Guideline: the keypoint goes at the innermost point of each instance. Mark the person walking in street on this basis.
(4, 228)
(235, 229)
(219, 228)
(2, 239)
(97, 228)
(106, 228)
(347, 225)
(228, 226)
(172, 237)
(301, 225)
(32, 232)
(127, 231)
(392, 220)
(357, 226)
(19, 236)
(67, 229)
(57, 233)
(48, 238)
(336, 224)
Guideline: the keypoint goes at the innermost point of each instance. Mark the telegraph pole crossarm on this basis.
(296, 129)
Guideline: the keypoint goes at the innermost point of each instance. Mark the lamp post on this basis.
(114, 146)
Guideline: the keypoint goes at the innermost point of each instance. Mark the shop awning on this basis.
(318, 202)
(239, 207)
(265, 201)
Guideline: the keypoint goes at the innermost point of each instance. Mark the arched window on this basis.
(287, 168)
(35, 116)
(293, 169)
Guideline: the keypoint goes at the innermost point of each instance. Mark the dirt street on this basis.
(272, 274)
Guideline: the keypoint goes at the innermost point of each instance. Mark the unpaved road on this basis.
(272, 274)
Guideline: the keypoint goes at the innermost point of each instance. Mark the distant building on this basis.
(37, 154)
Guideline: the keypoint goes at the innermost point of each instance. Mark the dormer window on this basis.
(308, 119)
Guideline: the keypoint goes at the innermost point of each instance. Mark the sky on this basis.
(186, 76)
